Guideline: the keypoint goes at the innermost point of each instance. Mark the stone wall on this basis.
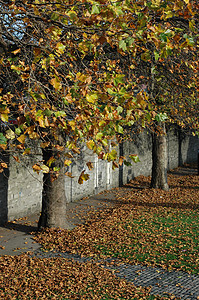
(24, 189)
(21, 188)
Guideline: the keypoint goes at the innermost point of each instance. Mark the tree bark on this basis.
(54, 204)
(159, 160)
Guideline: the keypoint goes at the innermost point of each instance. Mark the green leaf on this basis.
(119, 109)
(91, 98)
(18, 131)
(99, 135)
(55, 16)
(73, 15)
(156, 54)
(161, 117)
(129, 41)
(47, 112)
(119, 11)
(119, 129)
(60, 113)
(95, 9)
(146, 56)
(119, 79)
(112, 155)
(110, 91)
(3, 139)
(127, 163)
(134, 158)
(105, 142)
(122, 45)
(163, 37)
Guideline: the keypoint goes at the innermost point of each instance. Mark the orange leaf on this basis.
(89, 165)
(21, 138)
(36, 168)
(16, 158)
(83, 177)
(69, 174)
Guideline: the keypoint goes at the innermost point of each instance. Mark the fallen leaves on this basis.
(148, 226)
(24, 277)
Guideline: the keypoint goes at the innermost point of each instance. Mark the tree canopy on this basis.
(85, 70)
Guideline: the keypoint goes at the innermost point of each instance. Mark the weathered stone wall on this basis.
(24, 189)
(21, 188)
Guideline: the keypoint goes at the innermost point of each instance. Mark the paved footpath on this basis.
(163, 283)
(15, 238)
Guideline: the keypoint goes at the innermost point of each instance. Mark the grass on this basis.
(167, 238)
(148, 227)
(151, 227)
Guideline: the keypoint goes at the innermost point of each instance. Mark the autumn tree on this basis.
(75, 72)
(62, 83)
(160, 41)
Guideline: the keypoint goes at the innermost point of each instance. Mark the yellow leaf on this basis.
(34, 135)
(44, 145)
(101, 123)
(56, 83)
(72, 124)
(91, 98)
(69, 155)
(67, 162)
(45, 169)
(90, 144)
(27, 151)
(60, 48)
(4, 117)
(10, 134)
(21, 138)
(16, 51)
(99, 135)
(3, 146)
(41, 121)
(50, 161)
(156, 2)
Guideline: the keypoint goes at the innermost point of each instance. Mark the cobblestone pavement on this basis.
(162, 282)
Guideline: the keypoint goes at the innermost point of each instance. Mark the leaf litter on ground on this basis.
(148, 226)
(25, 277)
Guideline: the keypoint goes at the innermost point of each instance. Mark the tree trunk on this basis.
(54, 204)
(159, 160)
